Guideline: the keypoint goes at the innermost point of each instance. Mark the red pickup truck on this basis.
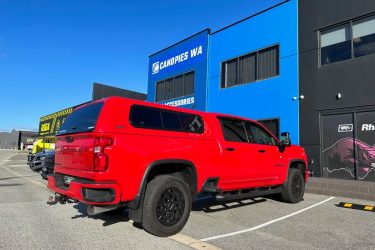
(154, 159)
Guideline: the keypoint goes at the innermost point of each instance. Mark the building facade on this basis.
(178, 74)
(337, 62)
(303, 66)
(253, 69)
(238, 70)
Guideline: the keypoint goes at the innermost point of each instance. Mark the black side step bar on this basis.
(247, 193)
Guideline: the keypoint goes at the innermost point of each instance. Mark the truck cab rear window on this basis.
(154, 118)
(81, 120)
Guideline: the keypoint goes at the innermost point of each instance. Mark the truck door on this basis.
(240, 158)
(270, 159)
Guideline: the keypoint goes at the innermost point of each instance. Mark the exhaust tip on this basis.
(90, 210)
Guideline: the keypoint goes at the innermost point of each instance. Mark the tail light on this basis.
(100, 158)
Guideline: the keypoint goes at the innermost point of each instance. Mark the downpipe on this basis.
(92, 210)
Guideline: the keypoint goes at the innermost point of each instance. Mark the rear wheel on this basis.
(294, 188)
(166, 205)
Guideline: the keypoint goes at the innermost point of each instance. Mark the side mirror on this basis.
(285, 139)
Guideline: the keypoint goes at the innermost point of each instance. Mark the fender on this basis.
(134, 204)
(297, 160)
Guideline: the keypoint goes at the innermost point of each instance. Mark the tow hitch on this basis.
(60, 199)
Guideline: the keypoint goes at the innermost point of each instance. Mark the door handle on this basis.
(229, 149)
(261, 150)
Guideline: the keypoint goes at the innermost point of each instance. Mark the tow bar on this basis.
(60, 199)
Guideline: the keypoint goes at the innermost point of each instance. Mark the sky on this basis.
(51, 51)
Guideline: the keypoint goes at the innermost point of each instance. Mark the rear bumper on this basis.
(86, 191)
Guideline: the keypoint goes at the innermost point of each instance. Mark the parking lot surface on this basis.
(27, 222)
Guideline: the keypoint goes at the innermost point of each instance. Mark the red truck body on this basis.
(117, 155)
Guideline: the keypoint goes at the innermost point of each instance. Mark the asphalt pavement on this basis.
(27, 222)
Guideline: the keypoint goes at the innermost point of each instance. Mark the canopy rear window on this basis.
(81, 120)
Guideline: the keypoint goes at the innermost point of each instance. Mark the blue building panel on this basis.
(190, 55)
(262, 99)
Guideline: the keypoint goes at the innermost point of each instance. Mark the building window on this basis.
(347, 41)
(272, 125)
(177, 86)
(255, 66)
(364, 37)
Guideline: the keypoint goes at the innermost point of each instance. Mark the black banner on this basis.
(348, 148)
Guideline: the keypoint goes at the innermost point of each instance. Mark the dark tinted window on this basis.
(191, 123)
(353, 39)
(145, 117)
(169, 90)
(259, 135)
(248, 68)
(81, 120)
(268, 63)
(259, 65)
(160, 91)
(272, 125)
(364, 37)
(179, 86)
(335, 44)
(189, 83)
(171, 120)
(230, 73)
(233, 130)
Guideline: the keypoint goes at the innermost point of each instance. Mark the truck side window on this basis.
(171, 120)
(258, 135)
(144, 117)
(233, 130)
(191, 123)
(154, 118)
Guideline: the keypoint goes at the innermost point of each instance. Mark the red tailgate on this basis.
(75, 151)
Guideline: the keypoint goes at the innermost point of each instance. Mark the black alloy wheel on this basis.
(170, 207)
(297, 185)
(294, 188)
(166, 205)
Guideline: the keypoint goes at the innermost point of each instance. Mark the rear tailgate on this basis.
(75, 151)
(76, 139)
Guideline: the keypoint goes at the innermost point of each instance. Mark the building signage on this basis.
(368, 127)
(170, 66)
(50, 124)
(345, 128)
(181, 102)
(180, 57)
(184, 56)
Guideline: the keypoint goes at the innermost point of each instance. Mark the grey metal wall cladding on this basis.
(248, 68)
(101, 91)
(268, 63)
(352, 78)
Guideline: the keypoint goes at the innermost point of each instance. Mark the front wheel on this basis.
(167, 205)
(294, 188)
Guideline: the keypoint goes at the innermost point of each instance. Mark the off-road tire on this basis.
(294, 188)
(166, 205)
